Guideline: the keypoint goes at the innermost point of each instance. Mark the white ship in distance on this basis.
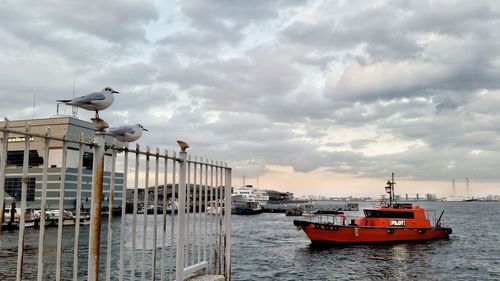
(249, 193)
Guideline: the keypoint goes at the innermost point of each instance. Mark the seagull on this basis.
(95, 101)
(127, 133)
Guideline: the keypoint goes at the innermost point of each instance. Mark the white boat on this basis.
(29, 217)
(455, 198)
(251, 194)
(309, 210)
(214, 208)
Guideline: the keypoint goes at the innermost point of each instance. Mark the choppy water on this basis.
(268, 247)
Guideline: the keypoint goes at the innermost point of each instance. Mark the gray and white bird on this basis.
(94, 102)
(127, 133)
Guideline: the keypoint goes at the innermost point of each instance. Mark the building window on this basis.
(88, 159)
(13, 187)
(16, 157)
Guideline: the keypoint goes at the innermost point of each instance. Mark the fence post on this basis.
(181, 217)
(97, 187)
(227, 226)
(3, 166)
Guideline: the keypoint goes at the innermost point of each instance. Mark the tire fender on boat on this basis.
(391, 231)
(422, 231)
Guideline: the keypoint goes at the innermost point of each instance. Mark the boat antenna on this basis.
(389, 188)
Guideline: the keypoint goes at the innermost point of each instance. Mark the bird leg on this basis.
(97, 114)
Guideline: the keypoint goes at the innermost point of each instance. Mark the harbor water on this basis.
(268, 247)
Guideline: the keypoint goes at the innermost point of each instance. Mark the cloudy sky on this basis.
(314, 97)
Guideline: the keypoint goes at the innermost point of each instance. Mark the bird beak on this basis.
(115, 92)
(145, 129)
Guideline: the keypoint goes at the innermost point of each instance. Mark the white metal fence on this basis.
(181, 225)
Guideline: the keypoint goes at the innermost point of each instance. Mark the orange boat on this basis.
(389, 223)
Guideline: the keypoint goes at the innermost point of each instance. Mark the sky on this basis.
(312, 97)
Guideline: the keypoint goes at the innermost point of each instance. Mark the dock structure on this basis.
(176, 245)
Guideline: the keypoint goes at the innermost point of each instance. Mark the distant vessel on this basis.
(246, 208)
(388, 223)
(310, 210)
(455, 199)
(249, 193)
(215, 208)
(12, 218)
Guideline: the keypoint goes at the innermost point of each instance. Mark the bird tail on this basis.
(65, 101)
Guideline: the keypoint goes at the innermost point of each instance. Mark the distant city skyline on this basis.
(313, 97)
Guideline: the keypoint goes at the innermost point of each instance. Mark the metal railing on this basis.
(179, 236)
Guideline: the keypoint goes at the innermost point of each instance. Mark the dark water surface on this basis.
(268, 247)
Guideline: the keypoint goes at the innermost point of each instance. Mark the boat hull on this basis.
(246, 211)
(349, 234)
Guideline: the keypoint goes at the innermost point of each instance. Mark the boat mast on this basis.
(389, 188)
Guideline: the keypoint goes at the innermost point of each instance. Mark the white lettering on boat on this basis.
(398, 223)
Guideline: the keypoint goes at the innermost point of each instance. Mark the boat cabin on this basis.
(399, 215)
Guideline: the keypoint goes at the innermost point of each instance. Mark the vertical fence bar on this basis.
(188, 203)
(181, 217)
(155, 218)
(217, 218)
(212, 219)
(164, 218)
(123, 218)
(24, 191)
(193, 234)
(95, 213)
(78, 207)
(3, 166)
(145, 225)
(205, 233)
(43, 205)
(227, 225)
(174, 208)
(223, 214)
(60, 222)
(134, 219)
(200, 200)
(111, 202)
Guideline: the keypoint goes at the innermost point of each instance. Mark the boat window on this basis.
(388, 214)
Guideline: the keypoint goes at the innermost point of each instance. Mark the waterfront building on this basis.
(279, 196)
(60, 126)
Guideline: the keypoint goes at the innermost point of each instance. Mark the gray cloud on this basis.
(259, 83)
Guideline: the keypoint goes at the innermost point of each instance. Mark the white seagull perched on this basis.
(95, 101)
(127, 133)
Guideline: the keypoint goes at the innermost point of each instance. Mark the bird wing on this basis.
(120, 131)
(90, 98)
